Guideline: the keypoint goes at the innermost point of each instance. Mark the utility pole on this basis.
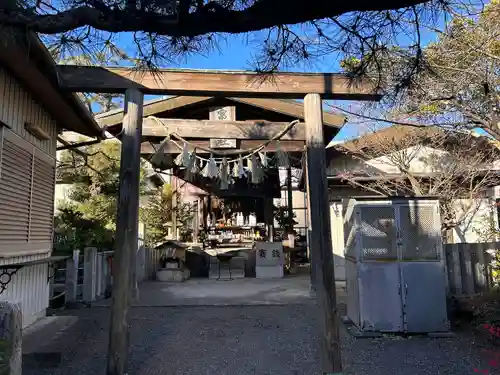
(126, 233)
(321, 245)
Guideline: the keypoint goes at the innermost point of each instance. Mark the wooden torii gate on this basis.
(312, 87)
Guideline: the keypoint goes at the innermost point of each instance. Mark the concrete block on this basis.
(99, 275)
(175, 275)
(237, 268)
(89, 274)
(11, 322)
(269, 254)
(269, 272)
(105, 274)
(71, 280)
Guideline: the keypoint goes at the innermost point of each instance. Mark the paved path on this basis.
(205, 292)
(277, 339)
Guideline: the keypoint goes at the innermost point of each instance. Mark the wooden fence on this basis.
(470, 267)
(152, 262)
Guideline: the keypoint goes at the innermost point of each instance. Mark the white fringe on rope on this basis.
(224, 175)
(239, 169)
(250, 168)
(264, 160)
(182, 160)
(256, 170)
(230, 178)
(192, 167)
(282, 159)
(210, 170)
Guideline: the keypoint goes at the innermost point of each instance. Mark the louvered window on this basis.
(42, 199)
(26, 193)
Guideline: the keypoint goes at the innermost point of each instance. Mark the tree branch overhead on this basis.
(163, 30)
(211, 17)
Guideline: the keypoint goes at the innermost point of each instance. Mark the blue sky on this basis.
(237, 52)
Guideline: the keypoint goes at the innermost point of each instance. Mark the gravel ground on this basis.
(232, 340)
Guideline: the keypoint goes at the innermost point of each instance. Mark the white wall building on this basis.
(32, 113)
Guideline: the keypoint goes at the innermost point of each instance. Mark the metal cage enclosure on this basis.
(395, 265)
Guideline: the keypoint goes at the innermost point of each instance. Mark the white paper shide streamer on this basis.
(264, 160)
(192, 167)
(282, 159)
(210, 170)
(182, 160)
(224, 175)
(225, 170)
(239, 169)
(257, 173)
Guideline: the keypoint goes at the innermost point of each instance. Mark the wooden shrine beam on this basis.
(320, 235)
(154, 107)
(221, 129)
(214, 83)
(126, 235)
(171, 148)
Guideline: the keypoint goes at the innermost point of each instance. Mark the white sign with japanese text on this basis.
(269, 259)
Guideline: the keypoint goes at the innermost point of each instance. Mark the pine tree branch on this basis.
(211, 18)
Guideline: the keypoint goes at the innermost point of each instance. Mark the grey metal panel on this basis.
(349, 218)
(420, 232)
(380, 299)
(352, 289)
(378, 233)
(424, 297)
